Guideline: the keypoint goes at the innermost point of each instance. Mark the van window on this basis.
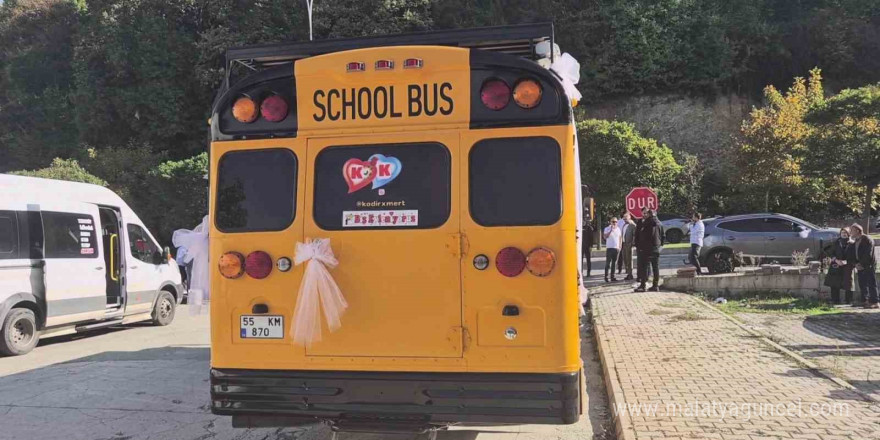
(515, 182)
(401, 186)
(69, 235)
(142, 246)
(256, 190)
(8, 235)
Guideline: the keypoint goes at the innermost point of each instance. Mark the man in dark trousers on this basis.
(649, 238)
(588, 232)
(866, 264)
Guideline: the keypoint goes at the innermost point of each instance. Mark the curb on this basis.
(622, 424)
(809, 365)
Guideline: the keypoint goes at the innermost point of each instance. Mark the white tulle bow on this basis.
(196, 244)
(568, 68)
(317, 286)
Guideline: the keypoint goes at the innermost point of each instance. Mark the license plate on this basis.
(262, 327)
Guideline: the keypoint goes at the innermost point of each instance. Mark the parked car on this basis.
(676, 227)
(75, 258)
(768, 237)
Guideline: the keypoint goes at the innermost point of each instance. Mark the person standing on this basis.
(840, 273)
(649, 239)
(698, 231)
(587, 252)
(612, 247)
(628, 234)
(621, 225)
(865, 264)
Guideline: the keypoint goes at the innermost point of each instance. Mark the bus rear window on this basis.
(515, 182)
(256, 190)
(401, 186)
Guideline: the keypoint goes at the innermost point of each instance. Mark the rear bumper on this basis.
(284, 397)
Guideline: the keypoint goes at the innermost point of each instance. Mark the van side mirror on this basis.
(167, 253)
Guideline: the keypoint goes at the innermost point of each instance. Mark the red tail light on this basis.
(495, 94)
(274, 108)
(258, 265)
(510, 261)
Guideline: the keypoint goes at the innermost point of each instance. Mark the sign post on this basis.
(641, 197)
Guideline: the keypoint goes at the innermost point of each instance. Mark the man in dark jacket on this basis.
(865, 264)
(649, 238)
(588, 232)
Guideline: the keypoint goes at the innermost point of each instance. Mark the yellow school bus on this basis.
(441, 166)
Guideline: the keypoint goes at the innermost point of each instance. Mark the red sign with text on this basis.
(642, 197)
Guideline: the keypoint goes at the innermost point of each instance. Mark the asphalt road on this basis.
(143, 382)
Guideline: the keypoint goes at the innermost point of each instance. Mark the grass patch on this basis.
(689, 315)
(658, 312)
(779, 305)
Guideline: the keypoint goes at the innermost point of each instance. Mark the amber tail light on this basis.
(231, 265)
(541, 261)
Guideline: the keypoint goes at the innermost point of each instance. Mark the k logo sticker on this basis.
(378, 170)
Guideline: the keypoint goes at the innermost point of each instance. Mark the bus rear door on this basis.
(389, 205)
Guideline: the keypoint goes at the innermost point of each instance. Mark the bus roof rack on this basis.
(517, 40)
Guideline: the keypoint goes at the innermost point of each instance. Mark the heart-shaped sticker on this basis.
(387, 169)
(358, 174)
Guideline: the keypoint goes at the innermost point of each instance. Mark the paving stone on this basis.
(693, 372)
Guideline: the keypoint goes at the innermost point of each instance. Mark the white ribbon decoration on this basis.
(317, 285)
(196, 244)
(569, 70)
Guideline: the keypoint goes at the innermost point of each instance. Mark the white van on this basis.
(74, 257)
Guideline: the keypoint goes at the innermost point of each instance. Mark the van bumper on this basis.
(261, 398)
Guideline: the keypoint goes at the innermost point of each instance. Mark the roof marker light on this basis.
(384, 65)
(355, 66)
(412, 63)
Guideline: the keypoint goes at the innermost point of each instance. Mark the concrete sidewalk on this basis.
(678, 369)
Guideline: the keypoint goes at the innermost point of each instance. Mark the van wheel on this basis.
(674, 235)
(720, 261)
(19, 332)
(163, 312)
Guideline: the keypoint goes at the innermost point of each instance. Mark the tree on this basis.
(615, 158)
(64, 169)
(773, 137)
(846, 140)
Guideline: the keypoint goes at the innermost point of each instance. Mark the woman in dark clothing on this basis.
(840, 273)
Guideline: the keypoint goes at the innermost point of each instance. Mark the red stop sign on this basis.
(641, 197)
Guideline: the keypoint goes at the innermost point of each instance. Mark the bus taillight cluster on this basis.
(511, 261)
(257, 265)
(273, 108)
(496, 93)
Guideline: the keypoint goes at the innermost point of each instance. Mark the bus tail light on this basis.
(245, 110)
(527, 93)
(258, 265)
(274, 108)
(540, 261)
(231, 265)
(495, 94)
(510, 261)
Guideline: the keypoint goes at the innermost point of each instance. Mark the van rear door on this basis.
(389, 205)
(75, 283)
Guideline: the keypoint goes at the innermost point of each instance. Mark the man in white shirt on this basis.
(698, 231)
(612, 247)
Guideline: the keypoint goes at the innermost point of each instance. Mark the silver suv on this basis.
(768, 237)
